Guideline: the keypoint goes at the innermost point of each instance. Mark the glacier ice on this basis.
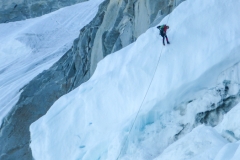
(31, 46)
(94, 121)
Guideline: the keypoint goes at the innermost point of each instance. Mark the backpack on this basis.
(161, 27)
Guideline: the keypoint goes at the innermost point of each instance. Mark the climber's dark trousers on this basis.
(164, 36)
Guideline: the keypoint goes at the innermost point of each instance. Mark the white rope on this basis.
(124, 143)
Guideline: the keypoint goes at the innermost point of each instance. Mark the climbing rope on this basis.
(159, 58)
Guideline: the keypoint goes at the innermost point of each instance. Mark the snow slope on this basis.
(31, 46)
(95, 120)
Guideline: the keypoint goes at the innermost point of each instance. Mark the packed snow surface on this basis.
(94, 122)
(31, 46)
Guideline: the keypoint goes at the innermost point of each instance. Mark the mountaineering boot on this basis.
(168, 42)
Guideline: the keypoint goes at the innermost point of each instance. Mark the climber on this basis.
(163, 31)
